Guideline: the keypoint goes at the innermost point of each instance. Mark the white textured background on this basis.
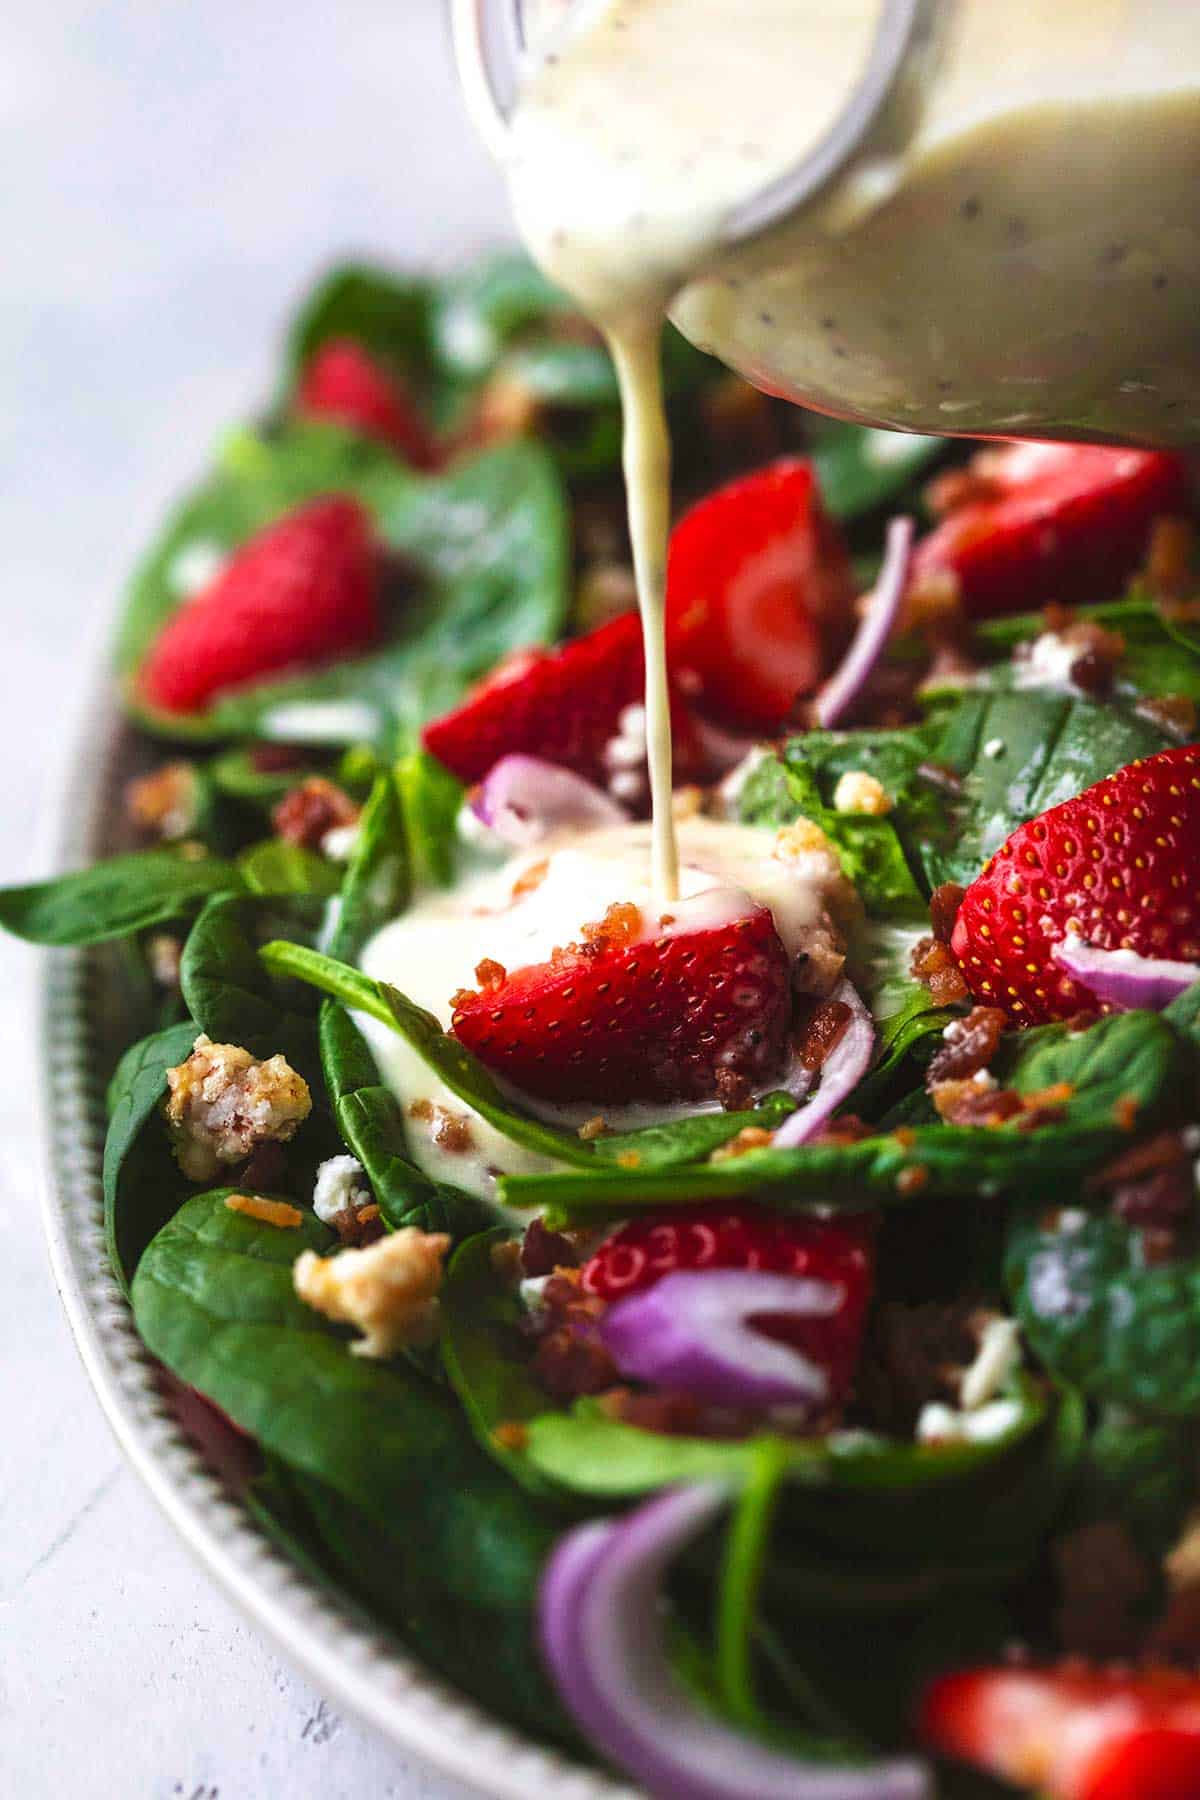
(172, 173)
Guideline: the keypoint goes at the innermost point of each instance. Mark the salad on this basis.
(754, 1344)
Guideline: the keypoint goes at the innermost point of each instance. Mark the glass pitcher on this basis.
(998, 235)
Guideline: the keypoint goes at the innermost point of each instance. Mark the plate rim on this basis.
(360, 1666)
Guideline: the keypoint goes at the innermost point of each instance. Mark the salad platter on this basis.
(565, 1411)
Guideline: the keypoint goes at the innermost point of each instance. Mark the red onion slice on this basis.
(846, 683)
(841, 1072)
(692, 1333)
(601, 1625)
(523, 799)
(1123, 978)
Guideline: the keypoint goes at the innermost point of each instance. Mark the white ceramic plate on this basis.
(361, 1667)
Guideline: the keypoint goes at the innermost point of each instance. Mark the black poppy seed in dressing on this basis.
(971, 207)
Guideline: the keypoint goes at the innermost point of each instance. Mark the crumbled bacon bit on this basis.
(733, 1090)
(306, 814)
(944, 903)
(620, 926)
(1174, 714)
(820, 1032)
(1091, 674)
(510, 1434)
(568, 1364)
(751, 1137)
(1049, 1098)
(968, 1045)
(848, 1128)
(531, 878)
(591, 1129)
(914, 1354)
(905, 1136)
(452, 1131)
(1168, 570)
(489, 973)
(268, 1212)
(966, 1103)
(629, 1159)
(275, 759)
(163, 803)
(1151, 1184)
(359, 1226)
(421, 1109)
(934, 965)
(1125, 1112)
(545, 1252)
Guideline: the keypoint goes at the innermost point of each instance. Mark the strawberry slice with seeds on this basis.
(759, 592)
(719, 1236)
(1072, 1732)
(303, 591)
(1119, 864)
(568, 706)
(1048, 522)
(343, 382)
(622, 1016)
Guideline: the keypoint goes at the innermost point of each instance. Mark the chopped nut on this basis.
(163, 803)
(859, 792)
(751, 1137)
(593, 1128)
(968, 1045)
(269, 1212)
(510, 1434)
(621, 925)
(799, 838)
(452, 1131)
(306, 814)
(222, 1102)
(935, 965)
(388, 1291)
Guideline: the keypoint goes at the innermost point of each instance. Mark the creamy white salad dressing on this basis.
(521, 912)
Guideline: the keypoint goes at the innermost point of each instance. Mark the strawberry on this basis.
(1072, 1732)
(719, 1236)
(625, 1017)
(563, 705)
(1049, 522)
(759, 589)
(341, 381)
(1119, 863)
(302, 591)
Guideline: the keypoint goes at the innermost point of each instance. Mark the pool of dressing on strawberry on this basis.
(517, 914)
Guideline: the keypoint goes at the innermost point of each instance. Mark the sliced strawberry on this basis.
(1119, 864)
(563, 705)
(1043, 522)
(343, 382)
(1072, 1732)
(759, 590)
(625, 1017)
(303, 591)
(717, 1236)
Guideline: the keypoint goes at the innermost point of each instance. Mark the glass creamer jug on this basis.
(970, 216)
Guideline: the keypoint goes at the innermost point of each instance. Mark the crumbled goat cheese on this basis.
(940, 1424)
(998, 1356)
(338, 1187)
(222, 1102)
(387, 1291)
(994, 749)
(530, 1293)
(858, 792)
(340, 843)
(1051, 658)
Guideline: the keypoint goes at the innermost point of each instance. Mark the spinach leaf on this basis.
(431, 798)
(1020, 752)
(1184, 1013)
(1127, 1058)
(799, 782)
(116, 898)
(481, 309)
(908, 1022)
(379, 879)
(462, 1072)
(1141, 1472)
(485, 1355)
(743, 1564)
(236, 772)
(690, 1139)
(142, 1182)
(489, 538)
(213, 1298)
(1160, 657)
(229, 993)
(371, 1122)
(1097, 1317)
(387, 314)
(861, 469)
(277, 867)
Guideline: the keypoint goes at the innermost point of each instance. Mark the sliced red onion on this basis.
(601, 1623)
(846, 683)
(841, 1072)
(692, 1332)
(523, 799)
(1123, 978)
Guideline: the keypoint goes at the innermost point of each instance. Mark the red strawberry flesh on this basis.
(343, 382)
(1119, 864)
(303, 592)
(618, 1018)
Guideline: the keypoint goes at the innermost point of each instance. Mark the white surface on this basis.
(174, 175)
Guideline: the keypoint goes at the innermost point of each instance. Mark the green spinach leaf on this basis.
(116, 898)
(229, 993)
(378, 881)
(431, 798)
(388, 314)
(277, 867)
(142, 1182)
(861, 469)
